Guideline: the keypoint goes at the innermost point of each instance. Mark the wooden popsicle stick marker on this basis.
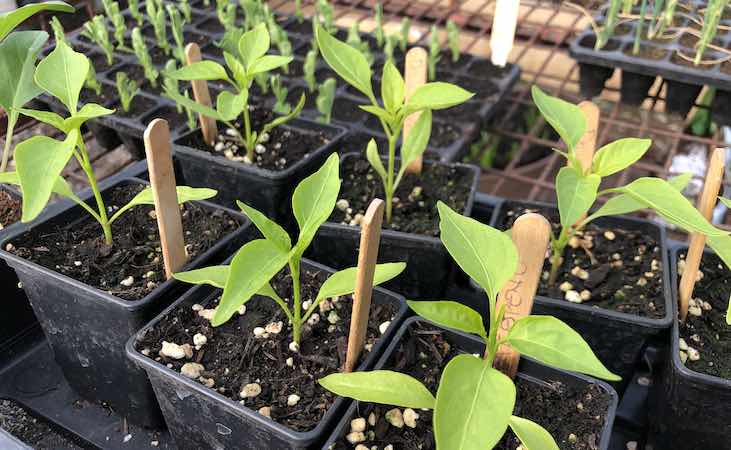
(531, 233)
(370, 238)
(415, 69)
(587, 144)
(164, 191)
(706, 203)
(502, 35)
(202, 95)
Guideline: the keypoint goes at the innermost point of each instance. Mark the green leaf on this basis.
(343, 281)
(662, 197)
(18, 54)
(191, 104)
(721, 246)
(216, 276)
(201, 70)
(532, 435)
(269, 62)
(146, 197)
(619, 155)
(350, 64)
(314, 199)
(576, 194)
(60, 187)
(552, 342)
(270, 229)
(48, 117)
(238, 69)
(725, 201)
(567, 119)
(230, 106)
(40, 161)
(375, 159)
(415, 143)
(252, 267)
(437, 95)
(62, 74)
(476, 248)
(392, 87)
(474, 405)
(87, 112)
(378, 112)
(451, 315)
(380, 386)
(253, 45)
(679, 182)
(12, 19)
(281, 120)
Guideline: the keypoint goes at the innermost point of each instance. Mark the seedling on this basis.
(308, 67)
(184, 8)
(356, 42)
(577, 186)
(96, 31)
(171, 85)
(143, 57)
(711, 18)
(59, 34)
(127, 90)
(227, 17)
(611, 20)
(176, 26)
(404, 36)
(244, 61)
(298, 11)
(120, 28)
(352, 66)
(639, 28)
(325, 99)
(254, 13)
(324, 14)
(378, 32)
(390, 46)
(134, 11)
(475, 402)
(157, 16)
(41, 159)
(257, 262)
(434, 53)
(280, 94)
(453, 40)
(91, 81)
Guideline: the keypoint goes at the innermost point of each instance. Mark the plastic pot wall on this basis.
(199, 417)
(618, 339)
(529, 372)
(87, 328)
(268, 191)
(428, 265)
(690, 410)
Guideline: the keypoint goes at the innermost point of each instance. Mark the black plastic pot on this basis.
(592, 79)
(618, 339)
(690, 410)
(87, 328)
(199, 417)
(635, 87)
(266, 190)
(428, 264)
(530, 371)
(681, 96)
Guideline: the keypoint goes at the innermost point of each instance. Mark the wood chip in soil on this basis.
(78, 250)
(234, 357)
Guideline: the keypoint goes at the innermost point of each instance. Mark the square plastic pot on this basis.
(529, 371)
(268, 191)
(428, 265)
(689, 410)
(199, 417)
(618, 339)
(87, 328)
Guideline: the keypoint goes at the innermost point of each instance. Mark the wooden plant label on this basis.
(164, 190)
(503, 31)
(202, 96)
(706, 203)
(370, 238)
(415, 70)
(531, 233)
(587, 144)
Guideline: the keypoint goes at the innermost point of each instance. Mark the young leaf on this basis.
(60, 187)
(216, 276)
(567, 119)
(87, 112)
(532, 435)
(314, 199)
(191, 104)
(146, 197)
(393, 87)
(62, 74)
(253, 45)
(451, 315)
(375, 159)
(552, 342)
(437, 95)
(18, 54)
(725, 201)
(201, 70)
(252, 267)
(618, 155)
(476, 247)
(576, 193)
(48, 117)
(12, 19)
(346, 61)
(343, 281)
(380, 386)
(415, 143)
(281, 120)
(229, 105)
(269, 62)
(474, 405)
(270, 229)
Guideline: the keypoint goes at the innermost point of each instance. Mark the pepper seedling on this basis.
(92, 82)
(354, 40)
(139, 46)
(325, 99)
(244, 61)
(171, 85)
(378, 31)
(453, 40)
(120, 28)
(324, 15)
(352, 66)
(280, 96)
(176, 26)
(184, 8)
(257, 262)
(134, 11)
(41, 159)
(298, 11)
(308, 68)
(59, 34)
(475, 402)
(434, 53)
(577, 187)
(127, 90)
(156, 14)
(404, 35)
(96, 31)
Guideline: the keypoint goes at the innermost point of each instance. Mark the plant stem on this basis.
(294, 270)
(558, 246)
(89, 171)
(12, 120)
(391, 169)
(247, 132)
(640, 25)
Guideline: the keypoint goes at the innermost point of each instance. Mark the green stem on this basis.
(294, 269)
(89, 171)
(558, 246)
(247, 132)
(389, 182)
(12, 120)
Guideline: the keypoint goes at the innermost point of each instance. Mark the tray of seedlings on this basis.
(684, 43)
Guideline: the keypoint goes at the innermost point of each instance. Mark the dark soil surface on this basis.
(170, 113)
(99, 62)
(444, 135)
(105, 97)
(481, 87)
(34, 432)
(134, 72)
(233, 357)
(140, 105)
(211, 26)
(78, 250)
(622, 274)
(647, 52)
(10, 209)
(286, 146)
(708, 333)
(561, 409)
(416, 208)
